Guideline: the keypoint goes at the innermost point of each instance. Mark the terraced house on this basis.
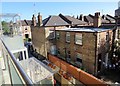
(85, 48)
(43, 32)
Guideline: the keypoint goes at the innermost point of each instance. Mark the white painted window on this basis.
(78, 38)
(57, 35)
(51, 34)
(67, 37)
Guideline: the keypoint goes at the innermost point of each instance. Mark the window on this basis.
(78, 38)
(78, 60)
(68, 58)
(107, 36)
(58, 51)
(57, 35)
(25, 28)
(78, 57)
(118, 34)
(51, 34)
(68, 54)
(67, 37)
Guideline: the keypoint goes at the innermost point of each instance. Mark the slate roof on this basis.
(88, 19)
(54, 21)
(26, 22)
(75, 21)
(105, 21)
(62, 20)
(108, 19)
(111, 18)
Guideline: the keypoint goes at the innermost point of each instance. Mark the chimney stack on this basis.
(39, 20)
(33, 20)
(81, 17)
(97, 20)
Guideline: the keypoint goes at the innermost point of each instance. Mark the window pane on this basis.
(78, 57)
(78, 38)
(67, 37)
(57, 35)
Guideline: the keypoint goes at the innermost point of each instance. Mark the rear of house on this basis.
(87, 49)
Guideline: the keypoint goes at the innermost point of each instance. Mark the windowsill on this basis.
(78, 44)
(68, 42)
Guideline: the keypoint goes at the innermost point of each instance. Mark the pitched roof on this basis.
(62, 20)
(29, 22)
(75, 21)
(26, 22)
(111, 18)
(88, 19)
(23, 23)
(105, 21)
(54, 21)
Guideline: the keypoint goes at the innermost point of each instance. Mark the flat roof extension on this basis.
(84, 29)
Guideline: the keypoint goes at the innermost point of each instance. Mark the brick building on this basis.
(44, 31)
(50, 37)
(84, 48)
(26, 28)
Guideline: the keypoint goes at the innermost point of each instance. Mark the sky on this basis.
(27, 9)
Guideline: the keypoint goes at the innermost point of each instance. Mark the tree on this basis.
(5, 27)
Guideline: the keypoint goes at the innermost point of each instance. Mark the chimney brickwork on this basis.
(34, 20)
(97, 20)
(39, 20)
(81, 17)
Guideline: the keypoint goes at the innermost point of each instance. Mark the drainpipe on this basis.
(95, 64)
(113, 37)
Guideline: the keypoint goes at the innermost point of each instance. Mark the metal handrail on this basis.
(26, 79)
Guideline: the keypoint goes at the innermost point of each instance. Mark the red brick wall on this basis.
(80, 75)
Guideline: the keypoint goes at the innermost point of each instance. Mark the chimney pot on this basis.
(81, 17)
(97, 20)
(34, 20)
(39, 20)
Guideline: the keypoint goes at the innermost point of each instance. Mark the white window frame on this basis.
(57, 35)
(78, 38)
(53, 32)
(67, 36)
